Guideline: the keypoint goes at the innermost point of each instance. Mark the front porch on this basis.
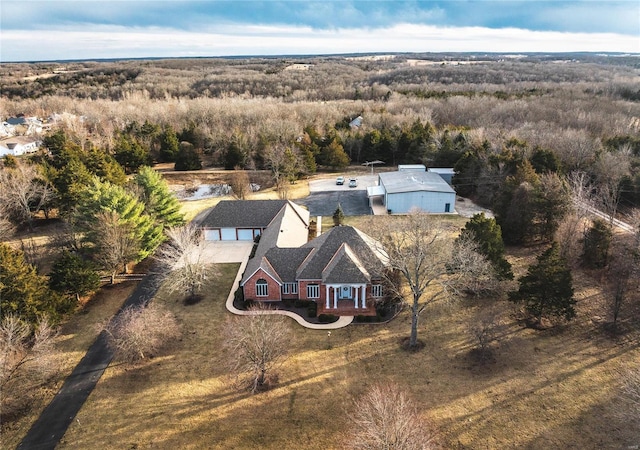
(346, 307)
(346, 300)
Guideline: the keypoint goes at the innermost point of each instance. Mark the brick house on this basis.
(341, 271)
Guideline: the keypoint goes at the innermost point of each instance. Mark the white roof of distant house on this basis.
(396, 182)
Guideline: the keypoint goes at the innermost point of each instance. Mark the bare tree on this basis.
(141, 331)
(23, 192)
(6, 227)
(20, 344)
(183, 256)
(386, 418)
(482, 329)
(116, 244)
(240, 183)
(256, 344)
(420, 250)
(575, 224)
(284, 163)
(631, 393)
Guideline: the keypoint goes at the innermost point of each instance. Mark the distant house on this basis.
(18, 145)
(356, 123)
(413, 188)
(25, 125)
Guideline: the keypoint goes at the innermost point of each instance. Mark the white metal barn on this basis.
(408, 190)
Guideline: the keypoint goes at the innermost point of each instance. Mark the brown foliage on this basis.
(386, 418)
(139, 332)
(256, 344)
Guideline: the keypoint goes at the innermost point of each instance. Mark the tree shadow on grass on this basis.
(192, 299)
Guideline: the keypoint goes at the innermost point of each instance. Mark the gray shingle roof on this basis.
(329, 243)
(345, 267)
(243, 213)
(285, 261)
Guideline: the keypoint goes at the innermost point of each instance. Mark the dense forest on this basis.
(483, 114)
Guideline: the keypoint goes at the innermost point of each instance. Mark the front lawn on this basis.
(543, 389)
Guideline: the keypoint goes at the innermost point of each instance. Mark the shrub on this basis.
(312, 310)
(327, 318)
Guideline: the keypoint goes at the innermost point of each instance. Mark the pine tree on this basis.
(25, 293)
(169, 145)
(338, 216)
(160, 202)
(74, 276)
(188, 158)
(486, 232)
(547, 288)
(106, 197)
(596, 243)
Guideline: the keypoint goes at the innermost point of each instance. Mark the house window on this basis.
(313, 291)
(262, 288)
(290, 288)
(376, 290)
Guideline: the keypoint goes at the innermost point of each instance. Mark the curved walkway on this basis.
(225, 252)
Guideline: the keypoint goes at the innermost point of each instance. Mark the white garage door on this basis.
(211, 235)
(228, 234)
(245, 235)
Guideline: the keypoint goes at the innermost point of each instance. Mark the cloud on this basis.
(109, 41)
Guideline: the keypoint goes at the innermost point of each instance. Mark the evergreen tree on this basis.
(544, 161)
(234, 156)
(100, 163)
(169, 145)
(130, 154)
(25, 293)
(486, 232)
(106, 197)
(338, 216)
(159, 201)
(547, 288)
(333, 155)
(596, 243)
(74, 276)
(188, 158)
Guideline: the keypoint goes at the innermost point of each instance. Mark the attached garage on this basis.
(211, 235)
(240, 220)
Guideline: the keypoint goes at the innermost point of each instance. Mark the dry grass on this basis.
(546, 389)
(71, 344)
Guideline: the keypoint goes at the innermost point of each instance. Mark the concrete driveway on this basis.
(221, 252)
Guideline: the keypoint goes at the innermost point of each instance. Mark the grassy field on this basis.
(543, 389)
(552, 389)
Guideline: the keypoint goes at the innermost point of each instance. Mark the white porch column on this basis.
(335, 298)
(355, 296)
(364, 295)
(327, 296)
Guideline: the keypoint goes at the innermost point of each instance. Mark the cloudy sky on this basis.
(90, 29)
